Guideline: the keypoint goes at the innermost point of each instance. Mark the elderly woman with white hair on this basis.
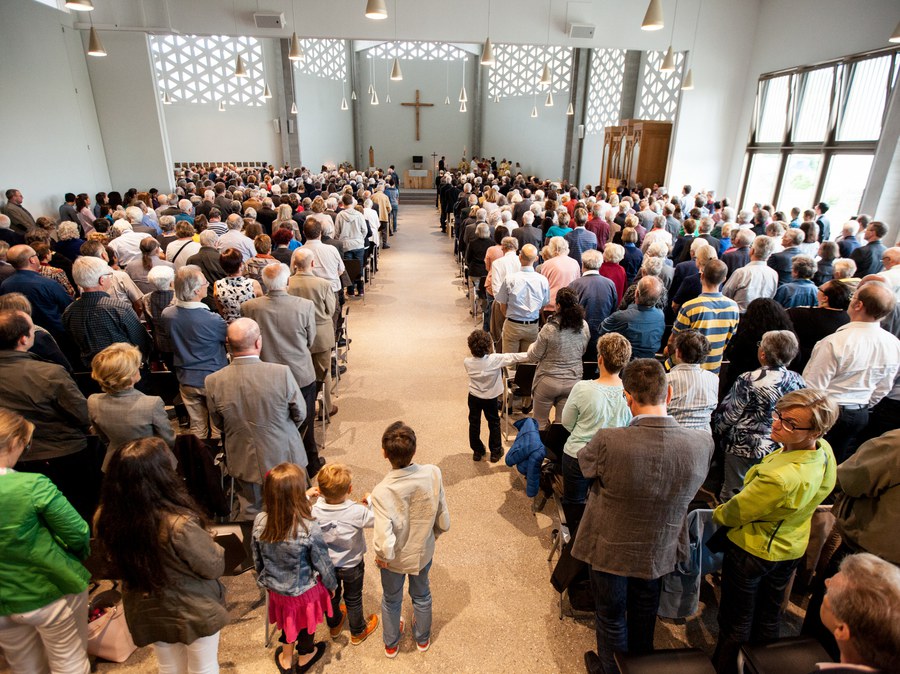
(161, 279)
(560, 269)
(69, 244)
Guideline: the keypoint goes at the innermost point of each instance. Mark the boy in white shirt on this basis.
(485, 370)
(342, 521)
(410, 513)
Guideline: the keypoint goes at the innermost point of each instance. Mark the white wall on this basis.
(804, 32)
(52, 142)
(130, 115)
(326, 131)
(537, 144)
(199, 132)
(391, 128)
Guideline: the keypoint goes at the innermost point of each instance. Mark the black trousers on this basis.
(490, 407)
(843, 436)
(308, 430)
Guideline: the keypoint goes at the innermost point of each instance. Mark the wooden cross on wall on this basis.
(418, 105)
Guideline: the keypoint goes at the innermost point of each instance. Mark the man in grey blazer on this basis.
(260, 409)
(288, 327)
(634, 527)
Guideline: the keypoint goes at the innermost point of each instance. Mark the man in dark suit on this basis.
(823, 222)
(847, 241)
(783, 262)
(524, 205)
(207, 258)
(740, 256)
(868, 257)
(635, 521)
(580, 239)
(528, 233)
(11, 236)
(597, 294)
(681, 249)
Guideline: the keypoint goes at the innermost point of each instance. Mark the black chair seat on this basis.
(669, 661)
(793, 655)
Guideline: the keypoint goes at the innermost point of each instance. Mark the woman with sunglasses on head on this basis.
(768, 522)
(43, 612)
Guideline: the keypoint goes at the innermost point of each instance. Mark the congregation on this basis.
(663, 354)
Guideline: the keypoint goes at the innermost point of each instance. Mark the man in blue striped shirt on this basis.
(712, 314)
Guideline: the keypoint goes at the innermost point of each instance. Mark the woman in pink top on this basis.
(493, 253)
(559, 269)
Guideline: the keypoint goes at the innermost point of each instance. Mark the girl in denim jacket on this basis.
(292, 563)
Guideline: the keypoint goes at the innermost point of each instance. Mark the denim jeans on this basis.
(750, 605)
(392, 603)
(350, 585)
(575, 492)
(626, 615)
(491, 409)
(736, 468)
(393, 217)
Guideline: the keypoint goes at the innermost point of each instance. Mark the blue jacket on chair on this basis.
(527, 454)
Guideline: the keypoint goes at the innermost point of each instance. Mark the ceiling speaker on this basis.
(582, 31)
(269, 20)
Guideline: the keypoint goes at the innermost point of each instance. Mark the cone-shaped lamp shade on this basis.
(374, 100)
(344, 105)
(462, 107)
(266, 92)
(545, 76)
(487, 54)
(294, 108)
(534, 112)
(688, 83)
(166, 100)
(387, 99)
(376, 9)
(570, 110)
(221, 106)
(653, 19)
(95, 48)
(668, 64)
(896, 36)
(80, 5)
(239, 69)
(447, 101)
(353, 95)
(371, 89)
(296, 53)
(462, 95)
(549, 102)
(396, 73)
(496, 98)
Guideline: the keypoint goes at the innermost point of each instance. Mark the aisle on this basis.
(494, 608)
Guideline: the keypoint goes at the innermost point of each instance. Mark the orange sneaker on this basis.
(371, 626)
(392, 652)
(336, 631)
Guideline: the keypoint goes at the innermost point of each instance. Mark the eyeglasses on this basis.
(788, 424)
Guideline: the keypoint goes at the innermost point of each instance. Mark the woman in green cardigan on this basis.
(43, 586)
(768, 522)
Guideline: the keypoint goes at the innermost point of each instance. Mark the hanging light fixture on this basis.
(80, 5)
(462, 107)
(545, 72)
(294, 110)
(371, 90)
(95, 47)
(296, 52)
(353, 95)
(166, 100)
(570, 110)
(344, 105)
(545, 76)
(895, 38)
(447, 86)
(496, 98)
(266, 92)
(239, 69)
(221, 106)
(376, 9)
(396, 73)
(374, 100)
(688, 83)
(447, 100)
(463, 98)
(487, 54)
(387, 99)
(549, 102)
(534, 112)
(653, 19)
(668, 64)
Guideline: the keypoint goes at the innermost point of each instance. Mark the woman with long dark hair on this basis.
(139, 268)
(558, 351)
(156, 537)
(763, 315)
(86, 214)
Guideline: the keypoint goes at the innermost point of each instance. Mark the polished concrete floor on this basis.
(494, 608)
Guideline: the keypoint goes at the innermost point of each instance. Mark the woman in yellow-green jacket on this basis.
(768, 522)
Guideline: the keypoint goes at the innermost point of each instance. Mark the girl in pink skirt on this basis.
(292, 563)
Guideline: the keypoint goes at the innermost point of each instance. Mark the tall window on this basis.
(196, 69)
(519, 67)
(814, 134)
(324, 58)
(605, 91)
(659, 91)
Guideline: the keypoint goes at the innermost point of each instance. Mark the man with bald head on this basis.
(524, 293)
(857, 364)
(891, 272)
(260, 409)
(47, 297)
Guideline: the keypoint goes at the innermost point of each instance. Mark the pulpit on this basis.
(636, 151)
(418, 179)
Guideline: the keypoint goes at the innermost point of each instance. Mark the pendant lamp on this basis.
(266, 92)
(462, 107)
(387, 99)
(221, 106)
(549, 102)
(353, 95)
(396, 73)
(239, 69)
(296, 53)
(545, 76)
(80, 5)
(570, 110)
(534, 112)
(166, 100)
(668, 64)
(344, 105)
(688, 83)
(294, 108)
(376, 9)
(653, 19)
(487, 54)
(895, 38)
(374, 100)
(462, 95)
(447, 101)
(95, 47)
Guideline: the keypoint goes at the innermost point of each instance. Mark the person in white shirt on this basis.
(233, 238)
(500, 269)
(485, 370)
(756, 279)
(410, 513)
(891, 271)
(857, 364)
(127, 245)
(658, 233)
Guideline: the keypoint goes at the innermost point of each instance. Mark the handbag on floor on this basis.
(108, 634)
